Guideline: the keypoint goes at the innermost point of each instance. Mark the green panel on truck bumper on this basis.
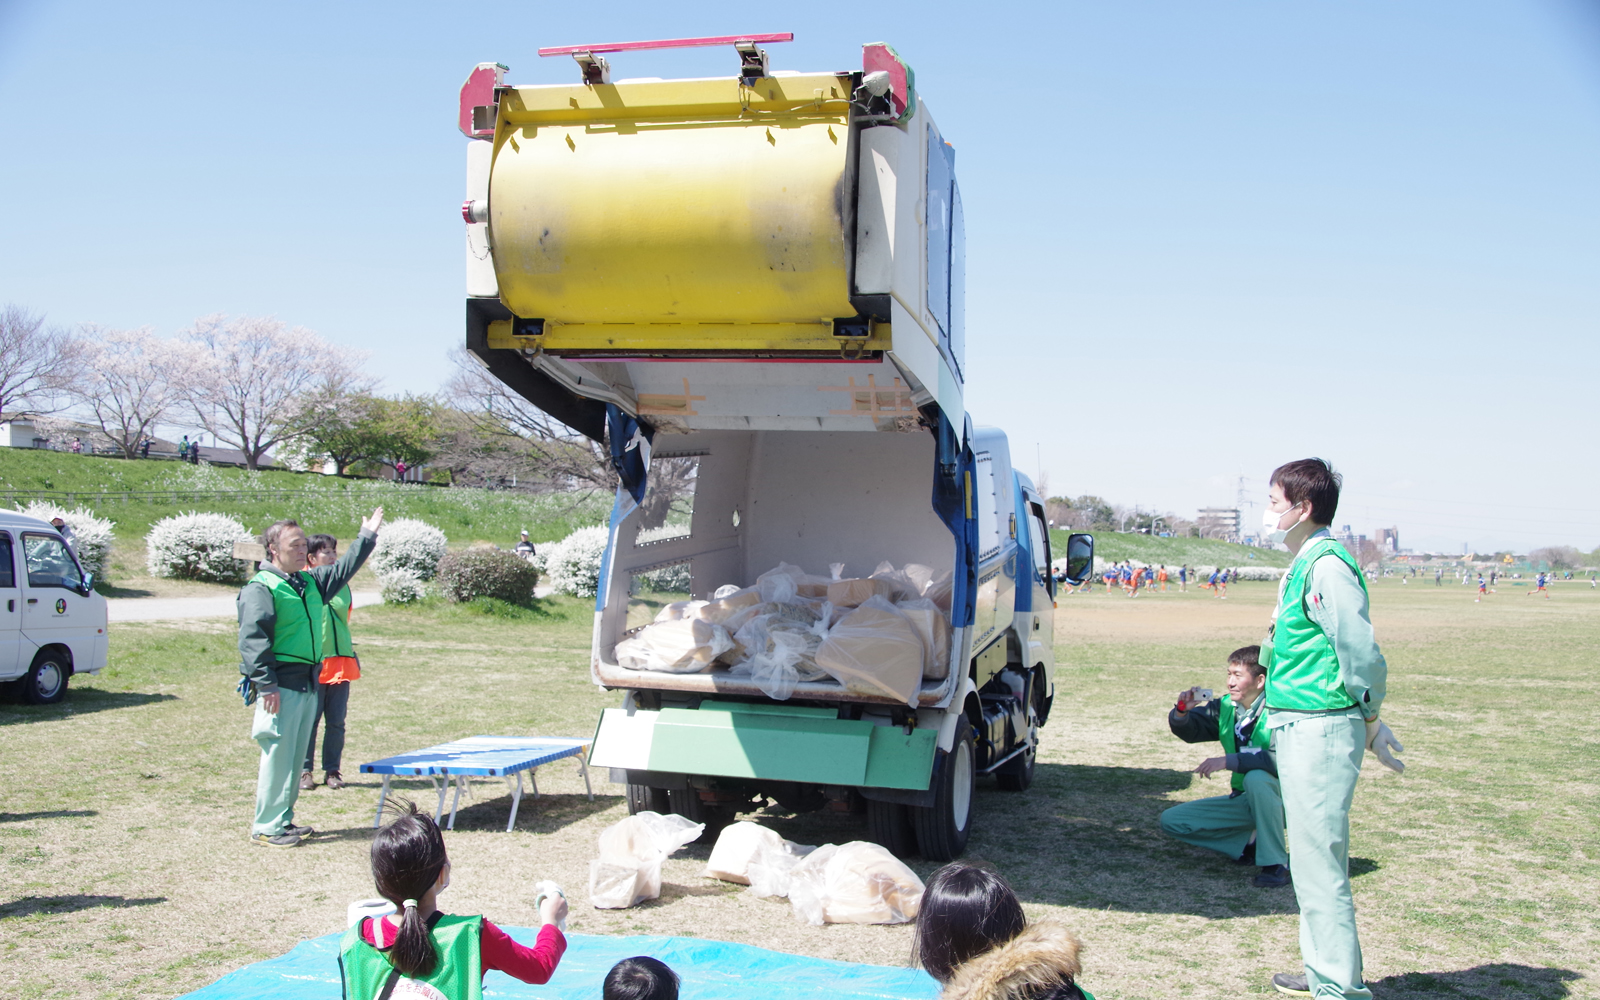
(803, 745)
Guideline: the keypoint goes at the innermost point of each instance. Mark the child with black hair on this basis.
(973, 937)
(420, 952)
(640, 978)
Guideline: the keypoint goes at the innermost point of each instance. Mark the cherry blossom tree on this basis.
(129, 381)
(254, 382)
(35, 363)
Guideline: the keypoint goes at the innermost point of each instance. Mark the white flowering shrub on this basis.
(409, 546)
(572, 565)
(401, 587)
(91, 536)
(674, 579)
(197, 547)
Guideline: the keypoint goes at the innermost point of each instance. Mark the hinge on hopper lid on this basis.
(853, 334)
(531, 332)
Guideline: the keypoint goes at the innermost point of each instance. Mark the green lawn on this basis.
(1117, 546)
(321, 503)
(124, 870)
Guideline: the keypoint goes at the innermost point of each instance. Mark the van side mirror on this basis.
(87, 587)
(1080, 558)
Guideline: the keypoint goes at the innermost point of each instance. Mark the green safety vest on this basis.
(297, 633)
(1303, 669)
(1260, 736)
(336, 626)
(457, 975)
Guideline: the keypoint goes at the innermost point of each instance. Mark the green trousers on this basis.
(283, 738)
(1225, 823)
(1319, 758)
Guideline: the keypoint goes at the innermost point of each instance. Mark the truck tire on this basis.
(943, 828)
(45, 683)
(687, 803)
(1016, 774)
(643, 798)
(889, 824)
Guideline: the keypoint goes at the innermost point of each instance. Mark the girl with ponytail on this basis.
(420, 953)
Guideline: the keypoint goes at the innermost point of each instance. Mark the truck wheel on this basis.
(45, 683)
(943, 828)
(687, 803)
(889, 824)
(643, 798)
(1017, 773)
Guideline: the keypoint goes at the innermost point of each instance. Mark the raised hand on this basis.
(374, 522)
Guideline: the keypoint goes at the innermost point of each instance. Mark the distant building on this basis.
(1389, 538)
(1219, 522)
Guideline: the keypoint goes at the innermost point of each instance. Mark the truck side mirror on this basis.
(1080, 558)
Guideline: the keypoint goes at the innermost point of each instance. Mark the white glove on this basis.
(1381, 741)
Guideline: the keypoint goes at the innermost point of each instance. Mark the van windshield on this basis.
(50, 564)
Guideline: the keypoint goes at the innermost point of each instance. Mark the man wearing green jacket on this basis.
(281, 614)
(1325, 686)
(1247, 823)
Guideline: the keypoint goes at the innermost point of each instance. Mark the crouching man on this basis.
(1248, 822)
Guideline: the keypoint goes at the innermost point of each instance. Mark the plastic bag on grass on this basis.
(854, 883)
(628, 870)
(678, 646)
(742, 844)
(875, 650)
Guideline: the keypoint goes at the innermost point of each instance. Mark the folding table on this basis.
(487, 756)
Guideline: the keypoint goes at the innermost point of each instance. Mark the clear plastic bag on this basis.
(854, 883)
(680, 646)
(741, 845)
(780, 648)
(875, 650)
(934, 628)
(628, 870)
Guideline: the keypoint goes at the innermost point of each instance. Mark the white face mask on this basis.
(1270, 532)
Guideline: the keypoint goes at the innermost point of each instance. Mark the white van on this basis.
(52, 623)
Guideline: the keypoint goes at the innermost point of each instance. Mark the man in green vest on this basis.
(1247, 823)
(1325, 686)
(281, 614)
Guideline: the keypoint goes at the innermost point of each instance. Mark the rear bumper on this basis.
(770, 742)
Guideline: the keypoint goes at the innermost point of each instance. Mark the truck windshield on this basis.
(50, 564)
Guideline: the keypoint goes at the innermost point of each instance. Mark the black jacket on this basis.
(1200, 725)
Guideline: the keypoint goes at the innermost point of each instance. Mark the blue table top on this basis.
(482, 755)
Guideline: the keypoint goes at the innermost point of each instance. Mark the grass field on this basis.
(124, 870)
(320, 503)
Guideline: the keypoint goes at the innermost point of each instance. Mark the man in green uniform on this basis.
(1246, 824)
(1325, 685)
(280, 647)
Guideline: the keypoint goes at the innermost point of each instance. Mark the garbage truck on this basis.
(823, 585)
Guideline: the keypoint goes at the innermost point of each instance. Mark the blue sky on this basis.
(1204, 238)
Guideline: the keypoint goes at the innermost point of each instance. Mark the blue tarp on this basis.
(711, 970)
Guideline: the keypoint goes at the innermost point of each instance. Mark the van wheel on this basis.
(643, 798)
(889, 824)
(45, 683)
(1017, 773)
(943, 828)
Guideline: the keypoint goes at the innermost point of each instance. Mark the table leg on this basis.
(460, 780)
(383, 796)
(438, 812)
(583, 766)
(516, 801)
(533, 779)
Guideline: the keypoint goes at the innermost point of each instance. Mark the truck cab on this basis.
(52, 623)
(750, 289)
